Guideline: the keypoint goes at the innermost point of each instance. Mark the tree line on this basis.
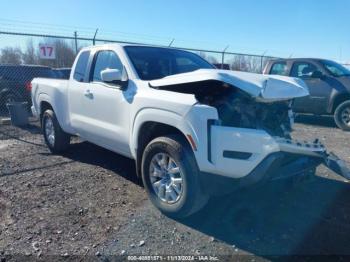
(65, 54)
(238, 62)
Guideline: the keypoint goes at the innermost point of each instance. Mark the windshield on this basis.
(336, 69)
(155, 62)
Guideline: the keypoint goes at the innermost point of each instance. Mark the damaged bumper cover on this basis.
(294, 158)
(315, 151)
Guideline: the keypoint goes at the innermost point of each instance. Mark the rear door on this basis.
(319, 89)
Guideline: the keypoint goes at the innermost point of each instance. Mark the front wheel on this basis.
(55, 138)
(171, 177)
(342, 115)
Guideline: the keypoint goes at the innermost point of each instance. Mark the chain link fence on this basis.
(24, 56)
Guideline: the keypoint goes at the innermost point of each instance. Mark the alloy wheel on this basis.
(166, 178)
(50, 131)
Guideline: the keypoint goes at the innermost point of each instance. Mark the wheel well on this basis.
(150, 131)
(338, 100)
(43, 107)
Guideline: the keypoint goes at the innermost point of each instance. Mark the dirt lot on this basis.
(89, 205)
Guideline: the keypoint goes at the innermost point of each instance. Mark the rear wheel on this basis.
(342, 115)
(171, 177)
(55, 138)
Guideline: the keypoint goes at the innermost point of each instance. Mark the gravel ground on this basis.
(89, 205)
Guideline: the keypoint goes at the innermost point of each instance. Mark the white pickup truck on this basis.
(193, 130)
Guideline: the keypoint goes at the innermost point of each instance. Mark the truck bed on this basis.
(54, 91)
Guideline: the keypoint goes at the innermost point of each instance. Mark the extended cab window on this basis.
(303, 69)
(279, 68)
(104, 60)
(80, 67)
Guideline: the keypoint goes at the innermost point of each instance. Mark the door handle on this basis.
(88, 94)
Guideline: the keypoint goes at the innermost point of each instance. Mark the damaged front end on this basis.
(237, 109)
(245, 102)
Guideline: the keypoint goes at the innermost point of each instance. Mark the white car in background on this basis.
(193, 130)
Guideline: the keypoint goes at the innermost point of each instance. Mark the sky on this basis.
(309, 28)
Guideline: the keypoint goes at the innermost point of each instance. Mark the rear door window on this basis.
(303, 69)
(81, 66)
(279, 68)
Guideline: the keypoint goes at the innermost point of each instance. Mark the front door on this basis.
(105, 107)
(316, 102)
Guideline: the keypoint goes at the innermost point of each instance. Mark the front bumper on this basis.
(276, 166)
(248, 157)
(316, 152)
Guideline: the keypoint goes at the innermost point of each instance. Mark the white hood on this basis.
(266, 87)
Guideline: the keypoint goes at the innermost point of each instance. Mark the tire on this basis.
(342, 115)
(188, 197)
(60, 140)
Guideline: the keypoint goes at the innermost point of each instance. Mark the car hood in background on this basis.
(265, 87)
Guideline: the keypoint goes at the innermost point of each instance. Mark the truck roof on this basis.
(118, 45)
(299, 59)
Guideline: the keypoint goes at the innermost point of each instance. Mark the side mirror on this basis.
(317, 74)
(111, 75)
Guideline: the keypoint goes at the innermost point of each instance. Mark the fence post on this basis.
(223, 57)
(262, 57)
(94, 39)
(76, 42)
(172, 41)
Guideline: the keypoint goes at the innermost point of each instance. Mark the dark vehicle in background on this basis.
(15, 82)
(328, 83)
(222, 66)
(62, 73)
